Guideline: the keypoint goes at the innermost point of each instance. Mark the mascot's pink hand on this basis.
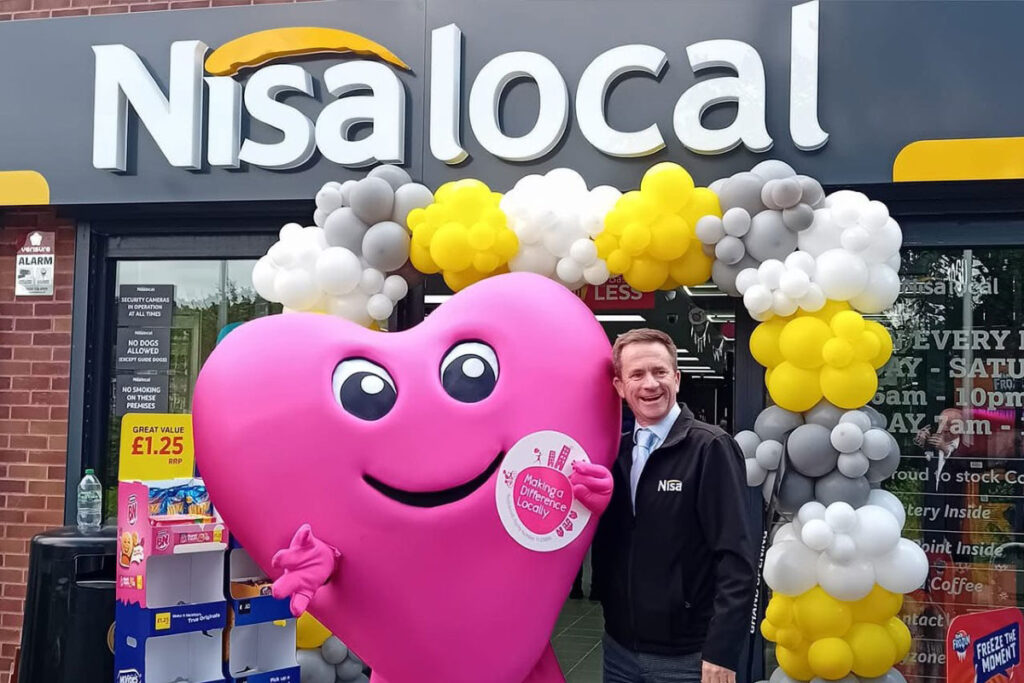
(307, 563)
(592, 484)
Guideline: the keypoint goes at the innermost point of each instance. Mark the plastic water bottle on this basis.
(90, 503)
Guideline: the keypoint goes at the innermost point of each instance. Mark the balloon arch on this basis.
(808, 266)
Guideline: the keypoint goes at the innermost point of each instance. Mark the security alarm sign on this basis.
(33, 271)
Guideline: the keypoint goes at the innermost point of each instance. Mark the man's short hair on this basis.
(641, 335)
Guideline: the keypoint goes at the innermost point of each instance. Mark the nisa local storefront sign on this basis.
(269, 102)
(368, 92)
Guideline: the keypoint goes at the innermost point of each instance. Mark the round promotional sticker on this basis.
(534, 496)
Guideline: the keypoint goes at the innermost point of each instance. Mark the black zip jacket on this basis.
(679, 576)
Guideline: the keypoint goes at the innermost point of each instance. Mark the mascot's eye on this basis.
(469, 371)
(364, 389)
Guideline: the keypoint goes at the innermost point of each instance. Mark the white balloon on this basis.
(379, 307)
(282, 254)
(855, 239)
(841, 517)
(569, 271)
(351, 306)
(746, 279)
(785, 533)
(789, 567)
(823, 234)
(329, 198)
(817, 535)
(395, 288)
(841, 274)
(320, 217)
(794, 283)
(885, 242)
(736, 222)
(371, 281)
(748, 441)
(770, 273)
(263, 274)
(596, 274)
(877, 444)
(800, 260)
(846, 437)
(884, 499)
(289, 231)
(903, 569)
(558, 238)
(761, 317)
(846, 215)
(296, 289)
(856, 417)
(584, 252)
(782, 304)
(755, 473)
(874, 215)
(877, 530)
(758, 299)
(534, 259)
(814, 299)
(847, 581)
(769, 454)
(843, 548)
(807, 512)
(880, 291)
(337, 271)
(853, 464)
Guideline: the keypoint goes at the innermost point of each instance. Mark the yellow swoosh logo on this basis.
(960, 159)
(23, 188)
(256, 49)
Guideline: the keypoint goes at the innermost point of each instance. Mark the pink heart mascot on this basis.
(365, 473)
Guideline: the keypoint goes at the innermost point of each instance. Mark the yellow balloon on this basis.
(830, 309)
(884, 344)
(789, 638)
(421, 261)
(779, 610)
(847, 324)
(668, 238)
(874, 652)
(605, 244)
(802, 341)
(794, 388)
(876, 607)
(692, 268)
(482, 236)
(458, 280)
(866, 346)
(900, 635)
(668, 184)
(768, 630)
(794, 663)
(703, 202)
(819, 615)
(850, 387)
(830, 658)
(506, 244)
(310, 633)
(838, 352)
(635, 238)
(646, 274)
(764, 343)
(619, 262)
(450, 248)
(486, 262)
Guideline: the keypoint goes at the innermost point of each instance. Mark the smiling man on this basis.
(673, 556)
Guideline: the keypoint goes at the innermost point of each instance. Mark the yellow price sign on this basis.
(163, 621)
(156, 446)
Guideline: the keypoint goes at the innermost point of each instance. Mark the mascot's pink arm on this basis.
(307, 564)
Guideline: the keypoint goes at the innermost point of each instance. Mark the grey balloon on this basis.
(890, 676)
(877, 419)
(409, 197)
(736, 222)
(769, 238)
(810, 450)
(798, 217)
(773, 169)
(834, 487)
(853, 464)
(349, 669)
(346, 191)
(880, 470)
(811, 192)
(729, 250)
(794, 491)
(708, 249)
(766, 195)
(372, 200)
(768, 487)
(724, 274)
(748, 442)
(716, 186)
(786, 192)
(742, 190)
(313, 667)
(386, 246)
(343, 228)
(775, 423)
(710, 229)
(361, 678)
(824, 414)
(334, 651)
(395, 176)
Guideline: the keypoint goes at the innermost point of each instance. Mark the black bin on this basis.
(69, 607)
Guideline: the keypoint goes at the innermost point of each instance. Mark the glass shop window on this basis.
(169, 315)
(953, 395)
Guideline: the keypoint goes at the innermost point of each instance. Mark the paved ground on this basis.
(577, 641)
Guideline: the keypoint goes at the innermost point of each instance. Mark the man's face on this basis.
(649, 381)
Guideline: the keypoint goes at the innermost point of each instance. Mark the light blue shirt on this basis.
(659, 432)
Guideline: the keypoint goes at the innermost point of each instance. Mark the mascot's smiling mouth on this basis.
(429, 499)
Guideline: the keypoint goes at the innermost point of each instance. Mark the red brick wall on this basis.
(35, 350)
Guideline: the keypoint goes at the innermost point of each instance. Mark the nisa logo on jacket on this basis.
(670, 485)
